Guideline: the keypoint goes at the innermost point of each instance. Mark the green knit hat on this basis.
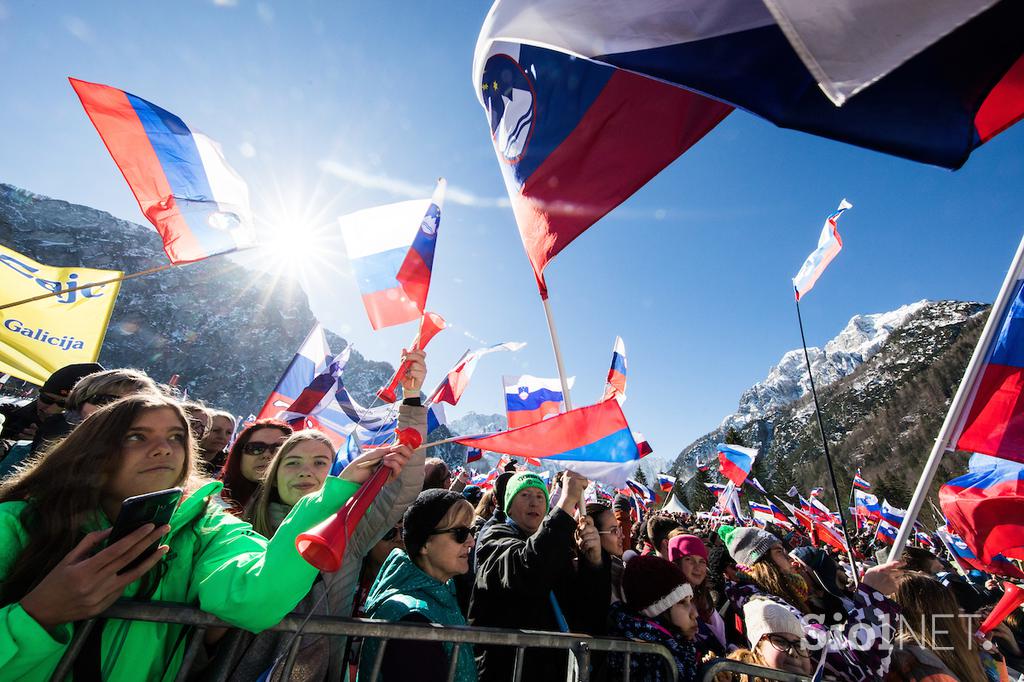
(747, 545)
(521, 481)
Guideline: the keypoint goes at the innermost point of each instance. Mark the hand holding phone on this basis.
(155, 508)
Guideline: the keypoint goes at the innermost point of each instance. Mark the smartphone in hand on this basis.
(156, 508)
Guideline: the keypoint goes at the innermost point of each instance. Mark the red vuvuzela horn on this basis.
(324, 545)
(1013, 596)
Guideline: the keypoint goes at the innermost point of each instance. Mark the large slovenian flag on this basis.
(530, 399)
(309, 360)
(986, 507)
(991, 420)
(455, 382)
(867, 505)
(391, 249)
(184, 186)
(829, 245)
(595, 441)
(575, 138)
(930, 83)
(736, 461)
(615, 385)
(666, 482)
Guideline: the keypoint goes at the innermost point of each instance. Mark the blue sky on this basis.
(331, 107)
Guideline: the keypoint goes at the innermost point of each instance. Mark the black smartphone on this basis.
(156, 508)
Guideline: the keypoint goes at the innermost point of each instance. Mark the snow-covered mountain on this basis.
(884, 383)
(787, 381)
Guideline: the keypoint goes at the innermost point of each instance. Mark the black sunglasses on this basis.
(459, 533)
(258, 449)
(47, 400)
(101, 399)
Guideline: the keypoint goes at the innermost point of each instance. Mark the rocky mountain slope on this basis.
(884, 382)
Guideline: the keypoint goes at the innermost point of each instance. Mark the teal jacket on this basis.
(216, 562)
(402, 590)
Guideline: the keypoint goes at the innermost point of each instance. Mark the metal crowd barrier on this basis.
(581, 646)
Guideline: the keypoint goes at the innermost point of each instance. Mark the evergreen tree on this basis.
(732, 437)
(640, 477)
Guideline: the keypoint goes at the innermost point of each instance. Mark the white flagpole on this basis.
(558, 354)
(963, 393)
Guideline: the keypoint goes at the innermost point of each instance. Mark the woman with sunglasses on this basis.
(55, 572)
(248, 460)
(416, 585)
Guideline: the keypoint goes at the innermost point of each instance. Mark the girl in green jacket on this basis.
(56, 513)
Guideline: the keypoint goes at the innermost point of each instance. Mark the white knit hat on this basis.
(765, 617)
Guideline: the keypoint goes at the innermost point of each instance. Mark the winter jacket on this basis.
(403, 592)
(515, 577)
(873, 616)
(216, 562)
(257, 654)
(629, 624)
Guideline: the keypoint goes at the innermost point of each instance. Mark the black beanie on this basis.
(423, 515)
(64, 379)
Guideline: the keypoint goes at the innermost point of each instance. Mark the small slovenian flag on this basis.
(309, 360)
(474, 455)
(455, 382)
(391, 249)
(666, 482)
(761, 512)
(736, 461)
(893, 515)
(817, 492)
(860, 483)
(184, 186)
(595, 441)
(779, 516)
(867, 505)
(886, 532)
(615, 385)
(715, 488)
(829, 245)
(641, 491)
(530, 399)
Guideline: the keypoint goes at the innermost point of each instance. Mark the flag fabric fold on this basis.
(184, 186)
(984, 507)
(736, 462)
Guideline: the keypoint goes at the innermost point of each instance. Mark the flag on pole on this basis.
(430, 325)
(530, 399)
(867, 505)
(762, 512)
(968, 560)
(595, 441)
(779, 515)
(793, 492)
(309, 360)
(455, 382)
(642, 492)
(615, 385)
(817, 492)
(183, 183)
(575, 138)
(991, 420)
(984, 507)
(317, 396)
(829, 535)
(666, 482)
(952, 70)
(736, 461)
(391, 249)
(893, 515)
(716, 488)
(860, 483)
(474, 455)
(752, 481)
(886, 532)
(38, 338)
(829, 245)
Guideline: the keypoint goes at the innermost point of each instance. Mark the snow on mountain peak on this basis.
(787, 381)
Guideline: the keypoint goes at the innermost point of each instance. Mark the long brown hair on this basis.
(237, 488)
(774, 581)
(258, 511)
(920, 597)
(64, 486)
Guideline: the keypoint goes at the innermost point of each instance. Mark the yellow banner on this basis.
(40, 337)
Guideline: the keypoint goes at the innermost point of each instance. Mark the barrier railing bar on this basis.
(627, 659)
(293, 651)
(77, 642)
(195, 643)
(378, 660)
(721, 665)
(454, 664)
(517, 669)
(582, 653)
